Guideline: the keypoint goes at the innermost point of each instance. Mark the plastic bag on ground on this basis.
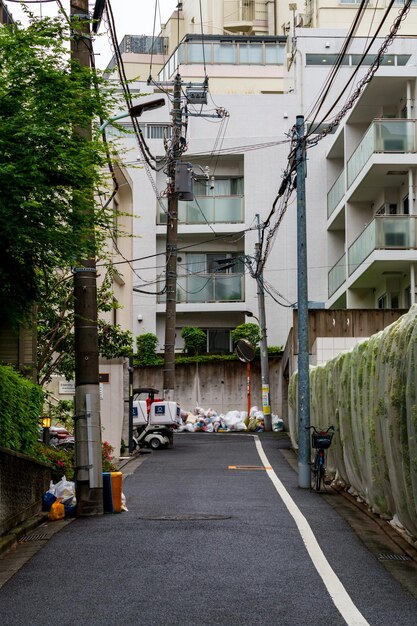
(65, 491)
(277, 423)
(57, 511)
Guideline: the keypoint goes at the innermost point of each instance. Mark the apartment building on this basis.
(371, 226)
(264, 72)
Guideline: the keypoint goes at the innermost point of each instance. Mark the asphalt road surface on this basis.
(211, 537)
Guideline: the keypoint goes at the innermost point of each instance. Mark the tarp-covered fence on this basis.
(369, 394)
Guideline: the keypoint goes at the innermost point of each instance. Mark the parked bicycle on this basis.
(321, 441)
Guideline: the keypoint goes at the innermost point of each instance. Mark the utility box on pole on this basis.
(184, 186)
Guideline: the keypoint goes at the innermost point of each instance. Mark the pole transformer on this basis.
(171, 245)
(266, 402)
(88, 456)
(304, 480)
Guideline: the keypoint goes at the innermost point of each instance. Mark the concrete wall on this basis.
(220, 386)
(23, 481)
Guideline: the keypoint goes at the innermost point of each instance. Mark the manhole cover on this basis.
(33, 537)
(186, 518)
(394, 557)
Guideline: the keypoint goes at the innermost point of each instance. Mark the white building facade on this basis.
(264, 79)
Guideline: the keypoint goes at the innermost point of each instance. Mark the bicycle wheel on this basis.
(319, 469)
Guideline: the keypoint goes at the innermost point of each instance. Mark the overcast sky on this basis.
(132, 17)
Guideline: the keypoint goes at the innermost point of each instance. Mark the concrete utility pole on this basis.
(304, 479)
(88, 456)
(171, 246)
(266, 406)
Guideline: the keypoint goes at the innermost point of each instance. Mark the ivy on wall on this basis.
(20, 409)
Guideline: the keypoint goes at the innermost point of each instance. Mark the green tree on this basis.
(47, 170)
(195, 339)
(55, 345)
(250, 331)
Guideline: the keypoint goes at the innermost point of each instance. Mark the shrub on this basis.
(146, 349)
(21, 405)
(195, 340)
(250, 331)
(60, 461)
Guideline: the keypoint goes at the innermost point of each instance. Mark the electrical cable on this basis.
(369, 74)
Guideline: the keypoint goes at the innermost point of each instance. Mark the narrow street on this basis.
(211, 537)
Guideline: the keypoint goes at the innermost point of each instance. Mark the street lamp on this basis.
(135, 111)
(250, 314)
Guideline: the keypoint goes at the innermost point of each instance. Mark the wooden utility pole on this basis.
(171, 246)
(88, 456)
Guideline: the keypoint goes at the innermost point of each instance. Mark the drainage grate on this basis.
(186, 518)
(33, 537)
(394, 557)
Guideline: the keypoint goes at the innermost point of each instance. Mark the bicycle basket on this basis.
(321, 440)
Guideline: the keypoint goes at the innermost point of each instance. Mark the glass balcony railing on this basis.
(383, 233)
(337, 275)
(207, 210)
(335, 194)
(382, 136)
(208, 288)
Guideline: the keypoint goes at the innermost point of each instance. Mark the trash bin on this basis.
(112, 492)
(116, 490)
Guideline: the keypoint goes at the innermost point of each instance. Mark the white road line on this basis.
(338, 593)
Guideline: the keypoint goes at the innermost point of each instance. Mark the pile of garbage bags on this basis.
(59, 501)
(209, 421)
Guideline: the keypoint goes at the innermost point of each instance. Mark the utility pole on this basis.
(266, 406)
(171, 245)
(304, 479)
(88, 456)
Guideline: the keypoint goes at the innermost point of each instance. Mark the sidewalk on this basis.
(25, 540)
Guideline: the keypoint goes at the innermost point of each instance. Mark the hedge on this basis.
(21, 404)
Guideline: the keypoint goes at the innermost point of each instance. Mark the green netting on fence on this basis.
(369, 394)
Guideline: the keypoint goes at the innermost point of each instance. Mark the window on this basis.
(225, 53)
(158, 131)
(406, 205)
(250, 53)
(213, 263)
(383, 302)
(218, 340)
(219, 187)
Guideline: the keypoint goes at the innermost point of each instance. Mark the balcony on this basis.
(337, 276)
(335, 194)
(239, 15)
(207, 210)
(383, 136)
(208, 288)
(383, 233)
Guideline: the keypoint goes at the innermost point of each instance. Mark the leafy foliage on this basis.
(62, 461)
(47, 169)
(250, 331)
(20, 409)
(56, 327)
(195, 339)
(146, 350)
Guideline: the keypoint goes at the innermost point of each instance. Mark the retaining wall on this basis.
(23, 481)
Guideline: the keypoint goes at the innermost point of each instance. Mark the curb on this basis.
(12, 537)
